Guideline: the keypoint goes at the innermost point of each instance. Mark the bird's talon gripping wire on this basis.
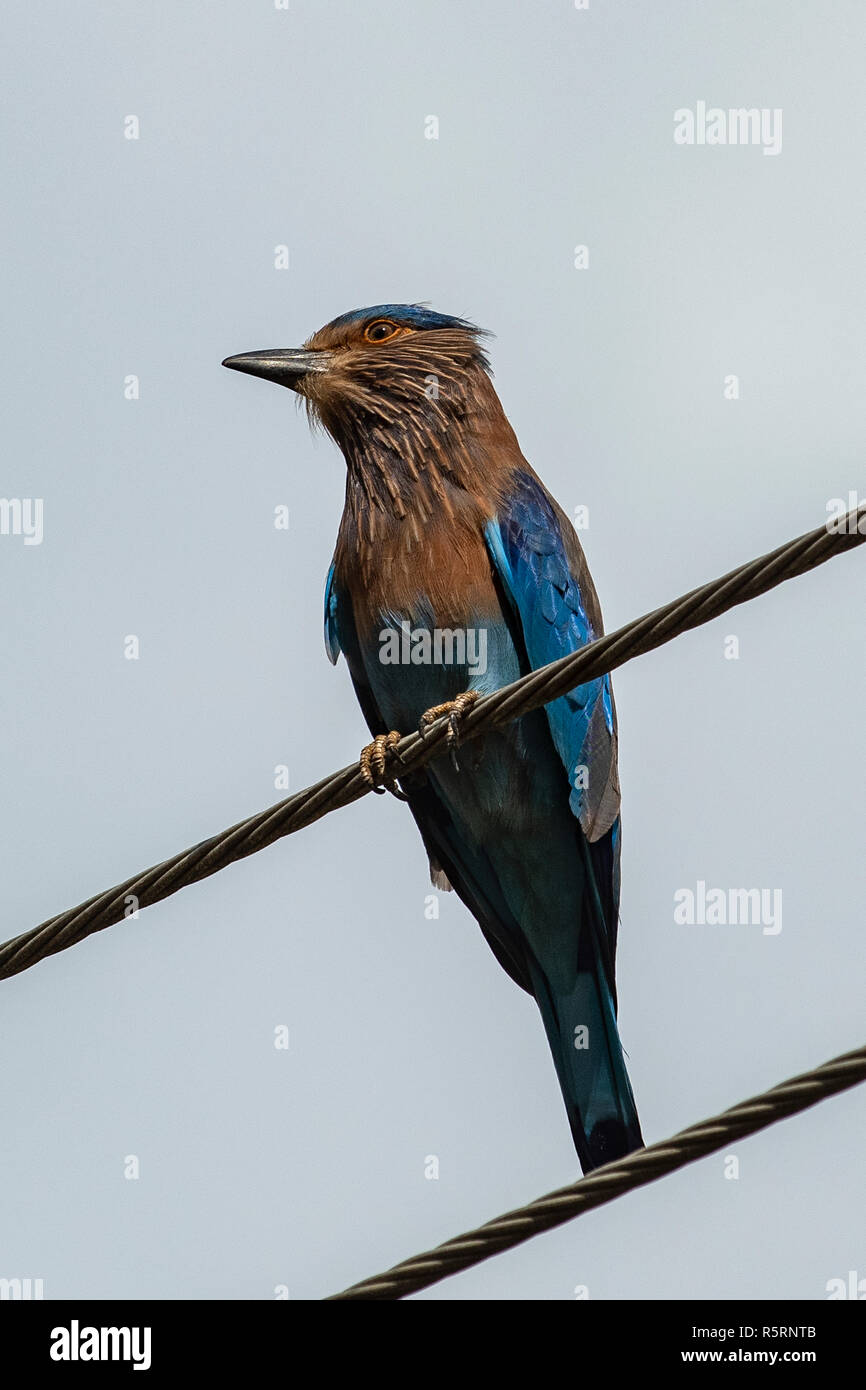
(455, 710)
(373, 765)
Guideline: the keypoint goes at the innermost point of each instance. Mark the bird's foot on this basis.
(373, 764)
(455, 709)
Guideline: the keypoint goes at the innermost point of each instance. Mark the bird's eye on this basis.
(380, 330)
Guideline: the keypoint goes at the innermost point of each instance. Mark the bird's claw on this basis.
(373, 764)
(455, 710)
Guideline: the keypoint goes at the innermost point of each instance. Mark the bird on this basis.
(454, 573)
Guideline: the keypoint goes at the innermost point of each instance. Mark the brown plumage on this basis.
(428, 453)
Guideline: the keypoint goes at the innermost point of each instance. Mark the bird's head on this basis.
(388, 366)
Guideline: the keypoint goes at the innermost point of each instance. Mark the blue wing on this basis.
(539, 560)
(333, 646)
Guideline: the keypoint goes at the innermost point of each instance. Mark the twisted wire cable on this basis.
(636, 1170)
(536, 688)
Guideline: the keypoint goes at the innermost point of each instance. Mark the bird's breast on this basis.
(428, 616)
(437, 573)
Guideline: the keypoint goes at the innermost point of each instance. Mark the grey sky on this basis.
(155, 258)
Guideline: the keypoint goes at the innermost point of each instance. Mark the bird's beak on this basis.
(285, 366)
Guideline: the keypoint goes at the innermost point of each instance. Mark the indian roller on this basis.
(454, 573)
